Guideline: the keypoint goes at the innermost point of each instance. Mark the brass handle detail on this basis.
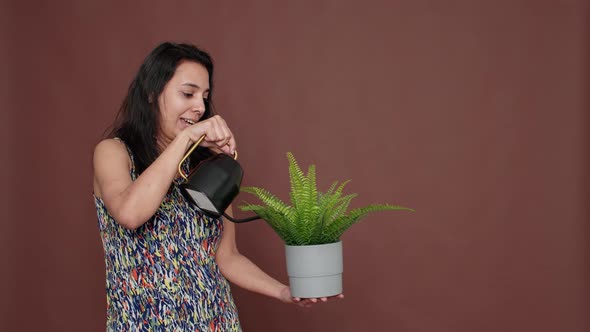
(184, 176)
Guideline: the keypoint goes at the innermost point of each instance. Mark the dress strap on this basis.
(132, 170)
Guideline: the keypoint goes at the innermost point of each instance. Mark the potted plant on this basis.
(311, 228)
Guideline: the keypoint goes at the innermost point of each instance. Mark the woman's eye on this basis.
(188, 95)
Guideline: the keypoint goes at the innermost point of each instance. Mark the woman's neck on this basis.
(162, 143)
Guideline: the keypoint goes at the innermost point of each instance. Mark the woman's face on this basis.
(182, 102)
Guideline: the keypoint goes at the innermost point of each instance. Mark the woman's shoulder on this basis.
(110, 149)
(110, 145)
(111, 164)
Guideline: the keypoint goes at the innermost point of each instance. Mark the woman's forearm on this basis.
(143, 197)
(239, 270)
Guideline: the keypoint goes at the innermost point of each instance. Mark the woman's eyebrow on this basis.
(193, 85)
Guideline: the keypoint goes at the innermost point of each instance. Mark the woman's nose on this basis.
(199, 105)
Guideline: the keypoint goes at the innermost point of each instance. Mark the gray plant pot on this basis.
(315, 271)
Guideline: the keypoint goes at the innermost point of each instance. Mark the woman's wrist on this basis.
(283, 293)
(184, 139)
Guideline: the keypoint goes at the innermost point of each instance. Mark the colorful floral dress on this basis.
(163, 275)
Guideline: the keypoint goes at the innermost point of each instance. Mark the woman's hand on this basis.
(287, 298)
(218, 134)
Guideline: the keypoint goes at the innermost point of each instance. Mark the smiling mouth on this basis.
(190, 122)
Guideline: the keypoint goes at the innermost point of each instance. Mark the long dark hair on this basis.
(138, 120)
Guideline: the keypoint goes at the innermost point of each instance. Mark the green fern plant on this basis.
(314, 217)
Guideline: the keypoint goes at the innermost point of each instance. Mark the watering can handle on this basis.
(184, 176)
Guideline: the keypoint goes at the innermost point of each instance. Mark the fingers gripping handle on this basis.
(184, 176)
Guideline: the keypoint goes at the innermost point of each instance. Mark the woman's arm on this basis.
(241, 271)
(132, 203)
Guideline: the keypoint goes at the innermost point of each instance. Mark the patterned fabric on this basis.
(163, 275)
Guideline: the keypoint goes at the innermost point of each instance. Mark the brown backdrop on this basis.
(475, 113)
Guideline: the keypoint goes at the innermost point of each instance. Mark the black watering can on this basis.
(213, 184)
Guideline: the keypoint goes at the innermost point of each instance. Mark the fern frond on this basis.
(331, 232)
(324, 202)
(309, 210)
(340, 207)
(341, 187)
(297, 179)
(376, 208)
(277, 223)
(330, 199)
(271, 201)
(341, 224)
(332, 187)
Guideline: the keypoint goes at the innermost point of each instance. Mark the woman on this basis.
(166, 263)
